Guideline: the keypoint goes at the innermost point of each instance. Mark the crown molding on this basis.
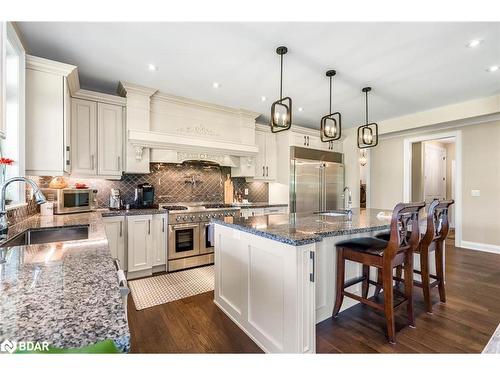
(125, 88)
(169, 98)
(100, 97)
(49, 66)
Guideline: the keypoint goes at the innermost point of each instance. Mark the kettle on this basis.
(115, 201)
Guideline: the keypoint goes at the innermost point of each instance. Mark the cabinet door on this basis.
(299, 139)
(44, 124)
(84, 137)
(139, 244)
(260, 159)
(159, 240)
(115, 232)
(271, 157)
(314, 142)
(109, 139)
(67, 127)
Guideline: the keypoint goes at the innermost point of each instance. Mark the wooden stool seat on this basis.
(384, 256)
(370, 245)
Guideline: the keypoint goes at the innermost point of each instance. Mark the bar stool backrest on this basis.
(441, 222)
(405, 231)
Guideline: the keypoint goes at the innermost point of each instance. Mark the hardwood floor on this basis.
(463, 325)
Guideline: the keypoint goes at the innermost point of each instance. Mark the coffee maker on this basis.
(144, 196)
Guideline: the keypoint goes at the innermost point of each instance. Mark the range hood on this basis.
(166, 141)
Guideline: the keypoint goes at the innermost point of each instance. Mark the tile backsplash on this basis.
(175, 183)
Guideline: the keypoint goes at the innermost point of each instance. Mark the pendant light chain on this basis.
(331, 85)
(366, 107)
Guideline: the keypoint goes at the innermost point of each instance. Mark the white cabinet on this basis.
(140, 243)
(3, 61)
(307, 140)
(159, 240)
(84, 137)
(97, 139)
(47, 131)
(109, 139)
(266, 159)
(115, 232)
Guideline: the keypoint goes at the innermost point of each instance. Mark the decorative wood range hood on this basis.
(167, 128)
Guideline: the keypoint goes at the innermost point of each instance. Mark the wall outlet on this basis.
(246, 191)
(475, 193)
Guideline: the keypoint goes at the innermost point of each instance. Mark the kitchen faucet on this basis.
(349, 201)
(39, 197)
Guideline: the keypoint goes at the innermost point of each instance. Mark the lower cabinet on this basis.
(115, 232)
(140, 242)
(159, 240)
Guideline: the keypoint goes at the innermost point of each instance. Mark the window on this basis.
(12, 142)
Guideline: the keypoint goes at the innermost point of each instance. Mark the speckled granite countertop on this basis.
(64, 293)
(258, 205)
(132, 212)
(493, 346)
(301, 229)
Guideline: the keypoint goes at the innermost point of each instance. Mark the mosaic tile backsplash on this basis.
(175, 183)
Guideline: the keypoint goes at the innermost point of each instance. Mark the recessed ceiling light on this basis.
(216, 85)
(301, 109)
(474, 43)
(263, 98)
(493, 68)
(152, 67)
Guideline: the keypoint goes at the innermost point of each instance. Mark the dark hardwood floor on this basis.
(463, 325)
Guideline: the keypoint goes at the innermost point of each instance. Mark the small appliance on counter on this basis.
(144, 196)
(115, 200)
(68, 201)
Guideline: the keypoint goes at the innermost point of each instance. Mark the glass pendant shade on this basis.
(368, 133)
(281, 110)
(331, 124)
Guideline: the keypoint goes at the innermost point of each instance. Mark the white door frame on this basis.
(407, 159)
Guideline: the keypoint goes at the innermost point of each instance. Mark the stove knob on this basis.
(193, 217)
(178, 218)
(200, 217)
(185, 218)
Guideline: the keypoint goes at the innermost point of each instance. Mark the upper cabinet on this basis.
(47, 117)
(266, 159)
(98, 132)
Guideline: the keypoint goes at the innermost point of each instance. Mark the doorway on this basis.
(432, 170)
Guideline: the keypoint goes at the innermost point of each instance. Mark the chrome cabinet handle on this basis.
(308, 140)
(305, 140)
(312, 276)
(267, 171)
(149, 226)
(119, 163)
(263, 171)
(163, 224)
(121, 232)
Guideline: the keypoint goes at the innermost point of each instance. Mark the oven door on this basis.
(74, 200)
(183, 240)
(205, 245)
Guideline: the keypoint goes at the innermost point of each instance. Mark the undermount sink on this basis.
(47, 235)
(333, 213)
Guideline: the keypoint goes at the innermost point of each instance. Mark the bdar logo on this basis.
(7, 346)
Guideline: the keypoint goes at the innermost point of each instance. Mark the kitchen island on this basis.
(275, 274)
(63, 293)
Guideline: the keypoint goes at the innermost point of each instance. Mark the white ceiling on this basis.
(411, 66)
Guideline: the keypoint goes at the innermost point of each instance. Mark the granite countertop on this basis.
(106, 212)
(64, 293)
(493, 346)
(258, 205)
(301, 229)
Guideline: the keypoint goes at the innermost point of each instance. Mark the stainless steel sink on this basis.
(333, 213)
(47, 235)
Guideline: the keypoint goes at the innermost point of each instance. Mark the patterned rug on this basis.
(156, 290)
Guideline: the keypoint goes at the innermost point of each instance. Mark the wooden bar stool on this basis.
(431, 241)
(385, 256)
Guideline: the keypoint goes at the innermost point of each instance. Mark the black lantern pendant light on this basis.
(368, 133)
(281, 110)
(331, 124)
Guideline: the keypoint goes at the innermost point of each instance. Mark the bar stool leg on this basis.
(440, 270)
(366, 285)
(339, 297)
(379, 282)
(409, 288)
(424, 274)
(389, 303)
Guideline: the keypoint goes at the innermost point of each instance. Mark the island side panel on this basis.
(264, 286)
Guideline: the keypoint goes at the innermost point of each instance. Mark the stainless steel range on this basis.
(189, 243)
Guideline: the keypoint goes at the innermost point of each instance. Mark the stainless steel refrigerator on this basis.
(316, 181)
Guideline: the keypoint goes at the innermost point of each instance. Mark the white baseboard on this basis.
(481, 247)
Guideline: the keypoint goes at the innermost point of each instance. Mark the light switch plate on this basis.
(475, 193)
(246, 191)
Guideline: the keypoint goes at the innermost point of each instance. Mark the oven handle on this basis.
(185, 226)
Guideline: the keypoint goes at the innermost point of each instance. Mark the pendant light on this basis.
(368, 133)
(281, 110)
(331, 124)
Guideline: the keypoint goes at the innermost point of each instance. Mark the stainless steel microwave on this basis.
(70, 200)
